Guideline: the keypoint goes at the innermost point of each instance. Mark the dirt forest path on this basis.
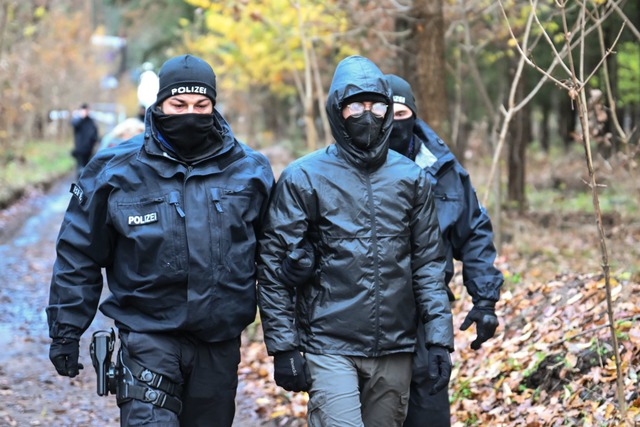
(31, 392)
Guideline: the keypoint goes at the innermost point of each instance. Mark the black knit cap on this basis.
(186, 74)
(402, 92)
(365, 97)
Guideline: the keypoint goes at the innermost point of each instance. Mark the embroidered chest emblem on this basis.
(143, 219)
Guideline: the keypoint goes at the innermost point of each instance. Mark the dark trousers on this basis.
(208, 373)
(426, 410)
(81, 161)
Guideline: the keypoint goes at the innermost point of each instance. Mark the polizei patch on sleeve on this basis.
(77, 192)
(143, 219)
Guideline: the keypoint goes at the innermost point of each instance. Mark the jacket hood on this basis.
(355, 75)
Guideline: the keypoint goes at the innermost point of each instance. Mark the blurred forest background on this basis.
(539, 99)
(275, 60)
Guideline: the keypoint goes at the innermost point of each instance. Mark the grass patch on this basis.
(552, 200)
(39, 164)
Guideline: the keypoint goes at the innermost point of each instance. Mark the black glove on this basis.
(439, 365)
(64, 353)
(290, 371)
(297, 268)
(484, 314)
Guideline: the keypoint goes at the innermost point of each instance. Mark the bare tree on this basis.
(307, 93)
(574, 83)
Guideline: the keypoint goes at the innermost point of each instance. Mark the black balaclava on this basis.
(364, 130)
(401, 136)
(191, 136)
(402, 131)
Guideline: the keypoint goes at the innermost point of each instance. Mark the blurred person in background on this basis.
(122, 132)
(85, 136)
(172, 216)
(467, 235)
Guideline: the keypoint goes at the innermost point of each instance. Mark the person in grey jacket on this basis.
(369, 216)
(467, 235)
(173, 217)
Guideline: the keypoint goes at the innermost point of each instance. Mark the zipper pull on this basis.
(216, 198)
(174, 199)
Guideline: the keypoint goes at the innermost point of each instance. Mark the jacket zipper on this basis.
(374, 240)
(216, 198)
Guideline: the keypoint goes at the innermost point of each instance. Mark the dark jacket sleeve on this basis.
(473, 245)
(428, 264)
(83, 247)
(285, 225)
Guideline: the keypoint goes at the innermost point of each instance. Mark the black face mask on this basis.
(364, 130)
(401, 135)
(191, 136)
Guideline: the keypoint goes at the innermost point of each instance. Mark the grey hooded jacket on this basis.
(371, 218)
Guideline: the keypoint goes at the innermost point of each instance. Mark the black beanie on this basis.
(186, 74)
(365, 97)
(402, 92)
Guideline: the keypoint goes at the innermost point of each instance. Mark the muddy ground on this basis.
(548, 245)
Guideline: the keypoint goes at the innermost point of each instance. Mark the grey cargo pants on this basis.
(350, 391)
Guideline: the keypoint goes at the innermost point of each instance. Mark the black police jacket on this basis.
(177, 242)
(371, 218)
(465, 224)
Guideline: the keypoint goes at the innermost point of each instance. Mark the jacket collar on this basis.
(433, 153)
(155, 155)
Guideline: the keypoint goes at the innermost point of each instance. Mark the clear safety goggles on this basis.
(356, 109)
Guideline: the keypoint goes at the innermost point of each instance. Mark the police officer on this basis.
(172, 216)
(468, 237)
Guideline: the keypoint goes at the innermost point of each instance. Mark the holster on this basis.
(137, 382)
(102, 345)
(129, 380)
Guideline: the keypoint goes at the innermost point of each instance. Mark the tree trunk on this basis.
(320, 98)
(406, 56)
(307, 97)
(544, 128)
(520, 138)
(459, 148)
(430, 85)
